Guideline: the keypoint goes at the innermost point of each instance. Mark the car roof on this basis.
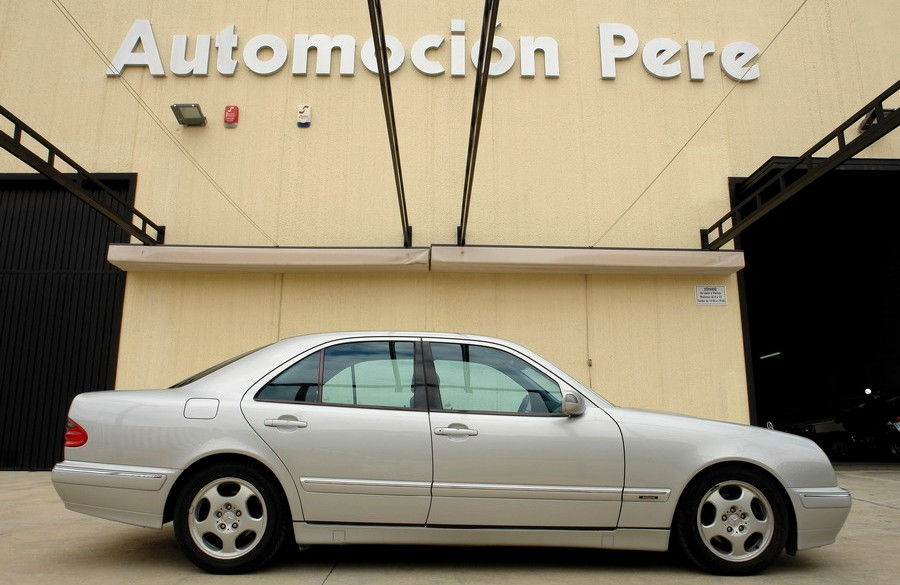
(249, 366)
(313, 339)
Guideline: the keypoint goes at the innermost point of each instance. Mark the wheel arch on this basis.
(791, 545)
(216, 459)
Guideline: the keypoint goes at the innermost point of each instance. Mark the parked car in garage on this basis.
(427, 438)
(866, 426)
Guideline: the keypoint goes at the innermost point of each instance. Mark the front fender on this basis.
(667, 451)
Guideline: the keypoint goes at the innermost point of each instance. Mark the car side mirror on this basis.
(573, 405)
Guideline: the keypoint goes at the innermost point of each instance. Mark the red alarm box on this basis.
(231, 116)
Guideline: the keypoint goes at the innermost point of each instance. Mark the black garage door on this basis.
(60, 312)
(822, 294)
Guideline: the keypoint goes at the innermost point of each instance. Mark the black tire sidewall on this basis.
(688, 535)
(270, 542)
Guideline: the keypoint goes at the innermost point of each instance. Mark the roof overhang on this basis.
(583, 260)
(485, 259)
(136, 258)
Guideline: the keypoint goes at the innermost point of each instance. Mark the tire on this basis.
(894, 446)
(230, 519)
(732, 521)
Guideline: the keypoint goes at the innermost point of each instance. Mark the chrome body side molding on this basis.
(561, 492)
(646, 494)
(622, 538)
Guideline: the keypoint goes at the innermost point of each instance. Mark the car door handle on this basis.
(455, 432)
(286, 423)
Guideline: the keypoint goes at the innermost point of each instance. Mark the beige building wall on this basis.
(574, 161)
(648, 343)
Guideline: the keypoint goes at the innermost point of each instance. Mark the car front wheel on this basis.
(732, 521)
(230, 519)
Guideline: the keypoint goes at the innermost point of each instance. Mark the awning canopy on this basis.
(519, 259)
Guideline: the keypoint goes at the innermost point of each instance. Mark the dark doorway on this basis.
(822, 310)
(60, 311)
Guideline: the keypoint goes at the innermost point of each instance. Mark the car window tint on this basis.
(370, 373)
(298, 383)
(476, 378)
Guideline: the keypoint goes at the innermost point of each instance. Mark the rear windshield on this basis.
(216, 367)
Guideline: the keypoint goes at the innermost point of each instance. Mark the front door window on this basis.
(475, 378)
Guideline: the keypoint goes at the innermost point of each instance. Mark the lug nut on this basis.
(228, 507)
(733, 509)
(724, 517)
(741, 528)
(238, 513)
(729, 529)
(222, 526)
(219, 514)
(235, 526)
(743, 516)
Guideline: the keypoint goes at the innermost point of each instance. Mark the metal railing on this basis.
(103, 199)
(765, 195)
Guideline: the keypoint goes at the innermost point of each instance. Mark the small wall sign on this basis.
(304, 116)
(231, 116)
(710, 294)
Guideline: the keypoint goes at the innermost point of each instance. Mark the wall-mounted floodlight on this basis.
(189, 114)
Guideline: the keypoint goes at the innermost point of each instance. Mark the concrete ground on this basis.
(42, 542)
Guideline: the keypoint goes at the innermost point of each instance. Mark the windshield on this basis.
(216, 367)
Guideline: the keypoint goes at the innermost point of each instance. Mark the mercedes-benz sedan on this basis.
(427, 438)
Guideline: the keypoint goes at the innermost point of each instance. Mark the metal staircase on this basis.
(104, 200)
(761, 194)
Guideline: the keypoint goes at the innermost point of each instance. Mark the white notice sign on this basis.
(711, 294)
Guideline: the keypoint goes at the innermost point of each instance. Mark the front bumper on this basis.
(124, 493)
(821, 513)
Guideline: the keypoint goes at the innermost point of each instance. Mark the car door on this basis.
(504, 455)
(350, 422)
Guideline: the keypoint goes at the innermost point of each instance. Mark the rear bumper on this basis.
(821, 513)
(124, 493)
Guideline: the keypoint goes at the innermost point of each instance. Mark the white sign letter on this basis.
(507, 56)
(655, 56)
(610, 51)
(226, 43)
(324, 45)
(179, 65)
(271, 65)
(418, 58)
(140, 32)
(697, 52)
(528, 46)
(396, 54)
(734, 58)
(457, 48)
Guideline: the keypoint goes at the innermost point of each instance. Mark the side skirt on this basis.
(655, 539)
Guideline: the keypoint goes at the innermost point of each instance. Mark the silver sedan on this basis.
(427, 438)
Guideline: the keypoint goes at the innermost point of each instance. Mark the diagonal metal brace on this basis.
(387, 100)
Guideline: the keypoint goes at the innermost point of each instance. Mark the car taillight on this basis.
(75, 435)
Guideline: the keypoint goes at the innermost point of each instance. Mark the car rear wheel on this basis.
(230, 519)
(732, 521)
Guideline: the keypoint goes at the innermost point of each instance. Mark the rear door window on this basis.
(370, 373)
